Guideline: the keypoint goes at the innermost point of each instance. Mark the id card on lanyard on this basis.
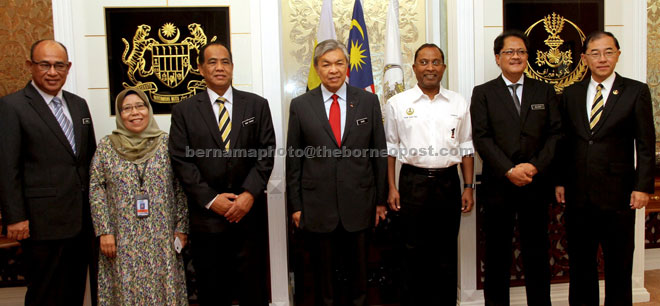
(141, 199)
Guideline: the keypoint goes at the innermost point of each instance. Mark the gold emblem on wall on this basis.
(170, 63)
(389, 90)
(555, 66)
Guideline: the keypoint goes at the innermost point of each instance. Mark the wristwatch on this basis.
(469, 185)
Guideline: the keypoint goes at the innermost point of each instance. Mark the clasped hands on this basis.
(233, 207)
(522, 174)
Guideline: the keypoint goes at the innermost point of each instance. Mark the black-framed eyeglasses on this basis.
(45, 66)
(512, 52)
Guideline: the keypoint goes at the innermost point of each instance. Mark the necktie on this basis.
(516, 101)
(223, 122)
(335, 119)
(64, 122)
(596, 107)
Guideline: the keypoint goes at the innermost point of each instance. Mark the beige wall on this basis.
(21, 23)
(653, 60)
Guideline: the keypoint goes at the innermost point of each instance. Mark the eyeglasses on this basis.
(127, 109)
(512, 52)
(45, 66)
(597, 54)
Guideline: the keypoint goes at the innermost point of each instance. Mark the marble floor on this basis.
(14, 296)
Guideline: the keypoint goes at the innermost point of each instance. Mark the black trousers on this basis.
(586, 228)
(339, 261)
(430, 215)
(57, 270)
(231, 264)
(503, 204)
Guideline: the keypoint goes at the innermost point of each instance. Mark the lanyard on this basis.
(141, 174)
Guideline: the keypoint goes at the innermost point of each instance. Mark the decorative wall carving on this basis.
(653, 59)
(21, 23)
(300, 19)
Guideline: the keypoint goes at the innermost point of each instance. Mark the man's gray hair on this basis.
(327, 46)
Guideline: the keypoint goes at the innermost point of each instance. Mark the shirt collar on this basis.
(341, 92)
(419, 94)
(520, 81)
(47, 97)
(229, 95)
(607, 83)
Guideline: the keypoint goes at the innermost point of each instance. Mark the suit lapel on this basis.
(76, 119)
(529, 89)
(237, 115)
(351, 107)
(37, 102)
(206, 112)
(506, 98)
(581, 97)
(318, 107)
(611, 101)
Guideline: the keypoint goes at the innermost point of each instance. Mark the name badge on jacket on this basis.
(538, 106)
(247, 121)
(86, 121)
(362, 121)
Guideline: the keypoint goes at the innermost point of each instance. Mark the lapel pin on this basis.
(351, 105)
(615, 92)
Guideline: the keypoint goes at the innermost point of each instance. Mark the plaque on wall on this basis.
(556, 31)
(155, 50)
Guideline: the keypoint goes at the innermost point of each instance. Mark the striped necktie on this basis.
(596, 107)
(223, 122)
(64, 122)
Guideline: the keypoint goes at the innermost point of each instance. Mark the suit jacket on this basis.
(198, 161)
(338, 188)
(598, 167)
(503, 138)
(42, 180)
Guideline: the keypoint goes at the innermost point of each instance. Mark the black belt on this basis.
(428, 171)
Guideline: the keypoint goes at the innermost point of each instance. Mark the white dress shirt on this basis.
(229, 95)
(49, 101)
(441, 127)
(519, 90)
(605, 92)
(327, 101)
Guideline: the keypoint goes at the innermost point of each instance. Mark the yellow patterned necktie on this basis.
(596, 107)
(223, 122)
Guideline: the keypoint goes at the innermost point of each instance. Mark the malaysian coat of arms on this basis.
(167, 58)
(556, 66)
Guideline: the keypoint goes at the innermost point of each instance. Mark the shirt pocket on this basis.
(450, 127)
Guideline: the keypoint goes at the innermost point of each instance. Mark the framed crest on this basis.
(556, 30)
(155, 50)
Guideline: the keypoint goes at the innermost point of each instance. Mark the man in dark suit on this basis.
(221, 145)
(334, 196)
(47, 145)
(515, 129)
(608, 124)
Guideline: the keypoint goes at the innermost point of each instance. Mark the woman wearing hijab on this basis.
(139, 211)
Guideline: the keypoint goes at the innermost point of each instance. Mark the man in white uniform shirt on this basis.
(428, 130)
